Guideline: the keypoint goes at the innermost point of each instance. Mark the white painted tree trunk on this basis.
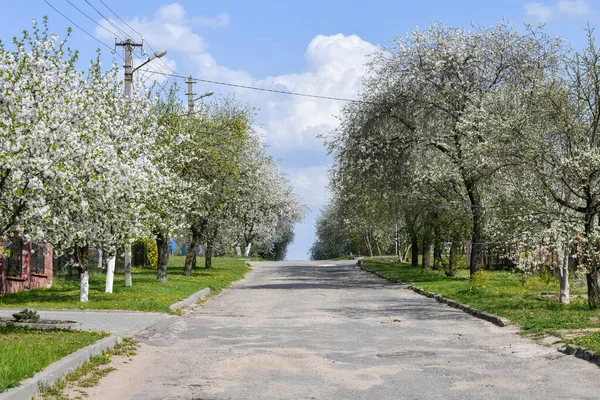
(84, 286)
(100, 258)
(563, 277)
(127, 262)
(110, 273)
(238, 251)
(247, 249)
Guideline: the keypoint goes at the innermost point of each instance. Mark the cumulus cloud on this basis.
(562, 9)
(336, 65)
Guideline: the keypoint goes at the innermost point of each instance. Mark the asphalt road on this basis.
(310, 330)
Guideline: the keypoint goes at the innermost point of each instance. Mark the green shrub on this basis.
(479, 280)
(26, 315)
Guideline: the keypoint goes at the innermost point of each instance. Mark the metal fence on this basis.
(14, 259)
(38, 258)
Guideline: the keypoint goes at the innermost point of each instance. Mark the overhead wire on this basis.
(138, 33)
(93, 20)
(122, 20)
(316, 96)
(173, 72)
(108, 20)
(80, 28)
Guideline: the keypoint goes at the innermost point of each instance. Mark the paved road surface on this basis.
(309, 330)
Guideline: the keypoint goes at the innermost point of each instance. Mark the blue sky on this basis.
(315, 47)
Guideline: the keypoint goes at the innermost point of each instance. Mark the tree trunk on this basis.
(405, 254)
(84, 286)
(110, 273)
(378, 248)
(453, 259)
(191, 254)
(208, 254)
(478, 240)
(593, 290)
(238, 251)
(396, 242)
(100, 266)
(127, 265)
(162, 243)
(247, 249)
(81, 255)
(426, 257)
(437, 253)
(590, 261)
(563, 276)
(368, 245)
(414, 262)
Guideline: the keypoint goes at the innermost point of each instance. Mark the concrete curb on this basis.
(581, 353)
(31, 386)
(494, 319)
(188, 301)
(567, 349)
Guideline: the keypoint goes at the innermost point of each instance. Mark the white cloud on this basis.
(220, 21)
(310, 184)
(336, 65)
(574, 9)
(562, 9)
(538, 11)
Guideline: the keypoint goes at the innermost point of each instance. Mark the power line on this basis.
(108, 20)
(136, 32)
(93, 20)
(315, 96)
(121, 19)
(80, 28)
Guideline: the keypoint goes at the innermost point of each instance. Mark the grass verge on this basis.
(146, 294)
(23, 351)
(89, 374)
(510, 295)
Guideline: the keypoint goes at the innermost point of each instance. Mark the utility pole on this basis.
(128, 45)
(190, 94)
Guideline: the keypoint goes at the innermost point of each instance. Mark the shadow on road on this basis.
(301, 276)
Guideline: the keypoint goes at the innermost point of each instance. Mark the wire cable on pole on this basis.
(138, 33)
(80, 28)
(122, 20)
(315, 96)
(108, 20)
(93, 20)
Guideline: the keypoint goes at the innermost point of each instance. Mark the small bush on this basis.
(479, 280)
(26, 315)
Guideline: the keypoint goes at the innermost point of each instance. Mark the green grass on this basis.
(146, 294)
(90, 372)
(506, 294)
(23, 352)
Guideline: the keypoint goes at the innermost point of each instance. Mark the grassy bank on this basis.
(522, 300)
(146, 294)
(23, 352)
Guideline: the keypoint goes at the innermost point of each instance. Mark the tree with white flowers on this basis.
(451, 93)
(75, 155)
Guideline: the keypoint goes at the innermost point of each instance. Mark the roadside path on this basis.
(309, 330)
(118, 323)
